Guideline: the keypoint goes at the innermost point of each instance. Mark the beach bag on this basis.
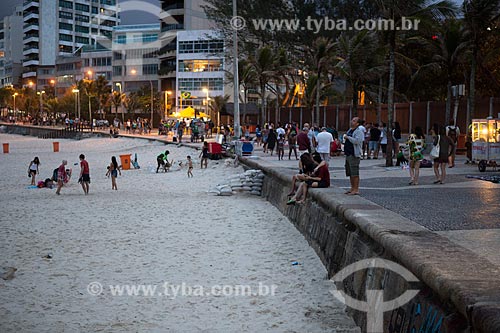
(435, 149)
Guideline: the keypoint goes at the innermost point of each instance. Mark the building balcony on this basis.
(31, 39)
(30, 27)
(30, 62)
(30, 50)
(29, 74)
(172, 27)
(30, 16)
(30, 4)
(172, 11)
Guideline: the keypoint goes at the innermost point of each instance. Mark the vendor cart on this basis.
(486, 143)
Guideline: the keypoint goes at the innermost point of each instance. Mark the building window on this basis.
(121, 39)
(148, 38)
(198, 83)
(95, 10)
(81, 40)
(117, 55)
(65, 4)
(65, 49)
(150, 69)
(65, 26)
(79, 28)
(82, 7)
(81, 18)
(66, 38)
(201, 46)
(117, 70)
(201, 65)
(65, 15)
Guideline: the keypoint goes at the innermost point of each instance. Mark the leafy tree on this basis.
(479, 16)
(359, 61)
(395, 10)
(216, 106)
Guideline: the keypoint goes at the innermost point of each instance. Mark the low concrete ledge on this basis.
(460, 291)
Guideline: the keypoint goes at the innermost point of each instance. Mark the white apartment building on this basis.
(11, 50)
(200, 67)
(60, 27)
(177, 15)
(135, 56)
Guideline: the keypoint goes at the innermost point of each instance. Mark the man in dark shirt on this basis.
(373, 144)
(303, 141)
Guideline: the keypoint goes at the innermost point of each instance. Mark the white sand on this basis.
(156, 228)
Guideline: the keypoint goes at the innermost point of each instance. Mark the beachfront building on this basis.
(176, 16)
(200, 68)
(60, 28)
(11, 50)
(135, 57)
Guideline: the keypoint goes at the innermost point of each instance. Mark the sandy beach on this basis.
(156, 230)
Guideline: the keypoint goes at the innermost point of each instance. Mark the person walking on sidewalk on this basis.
(84, 174)
(324, 140)
(453, 132)
(446, 146)
(353, 147)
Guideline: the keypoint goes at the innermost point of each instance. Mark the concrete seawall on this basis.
(459, 291)
(45, 132)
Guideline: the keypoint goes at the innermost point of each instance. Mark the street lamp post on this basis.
(119, 85)
(77, 102)
(40, 93)
(90, 104)
(151, 83)
(14, 96)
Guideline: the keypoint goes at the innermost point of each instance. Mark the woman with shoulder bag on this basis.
(446, 146)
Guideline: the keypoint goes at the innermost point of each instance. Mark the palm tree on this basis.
(132, 102)
(478, 17)
(51, 106)
(117, 100)
(359, 62)
(395, 10)
(263, 64)
(217, 105)
(320, 57)
(102, 91)
(448, 51)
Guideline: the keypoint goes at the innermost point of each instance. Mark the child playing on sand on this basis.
(281, 146)
(204, 155)
(190, 166)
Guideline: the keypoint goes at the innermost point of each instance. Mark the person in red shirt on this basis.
(84, 174)
(320, 179)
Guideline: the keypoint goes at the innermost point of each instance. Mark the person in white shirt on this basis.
(324, 141)
(280, 130)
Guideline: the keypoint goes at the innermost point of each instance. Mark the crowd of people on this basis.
(314, 146)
